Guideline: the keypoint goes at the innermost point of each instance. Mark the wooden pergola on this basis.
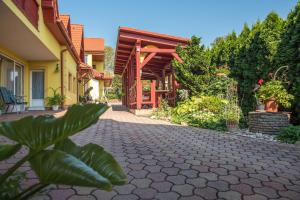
(140, 56)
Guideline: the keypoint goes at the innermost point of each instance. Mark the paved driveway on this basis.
(165, 161)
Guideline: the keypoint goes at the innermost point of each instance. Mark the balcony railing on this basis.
(30, 9)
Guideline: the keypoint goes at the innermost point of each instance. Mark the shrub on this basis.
(290, 134)
(201, 111)
(164, 111)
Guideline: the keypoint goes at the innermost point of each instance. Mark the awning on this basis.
(87, 72)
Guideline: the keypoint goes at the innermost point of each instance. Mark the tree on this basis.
(109, 59)
(222, 51)
(195, 72)
(254, 58)
(289, 54)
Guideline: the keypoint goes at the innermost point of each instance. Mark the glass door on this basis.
(37, 90)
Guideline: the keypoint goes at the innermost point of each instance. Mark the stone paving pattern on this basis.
(165, 161)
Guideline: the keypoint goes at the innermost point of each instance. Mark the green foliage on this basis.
(12, 186)
(56, 99)
(109, 59)
(163, 111)
(254, 57)
(290, 134)
(222, 48)
(232, 113)
(275, 89)
(116, 91)
(201, 111)
(194, 73)
(289, 54)
(2, 105)
(7, 150)
(67, 164)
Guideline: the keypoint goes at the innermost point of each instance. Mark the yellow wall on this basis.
(70, 67)
(89, 59)
(42, 32)
(100, 68)
(52, 77)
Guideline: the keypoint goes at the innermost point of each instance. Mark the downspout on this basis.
(62, 75)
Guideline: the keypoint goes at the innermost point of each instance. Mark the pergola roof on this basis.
(127, 39)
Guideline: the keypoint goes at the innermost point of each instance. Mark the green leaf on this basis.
(40, 132)
(97, 158)
(7, 150)
(58, 167)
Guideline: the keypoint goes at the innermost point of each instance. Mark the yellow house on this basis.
(94, 56)
(36, 52)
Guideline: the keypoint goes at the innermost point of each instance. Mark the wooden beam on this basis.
(153, 98)
(148, 58)
(157, 50)
(158, 41)
(132, 52)
(176, 56)
(139, 92)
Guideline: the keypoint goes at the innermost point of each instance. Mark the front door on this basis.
(37, 90)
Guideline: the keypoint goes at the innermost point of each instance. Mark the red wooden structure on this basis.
(142, 55)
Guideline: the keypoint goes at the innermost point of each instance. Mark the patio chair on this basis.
(10, 99)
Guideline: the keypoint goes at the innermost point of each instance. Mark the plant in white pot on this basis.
(55, 100)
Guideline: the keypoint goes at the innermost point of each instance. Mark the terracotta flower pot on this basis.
(271, 105)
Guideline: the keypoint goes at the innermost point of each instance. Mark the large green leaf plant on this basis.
(54, 157)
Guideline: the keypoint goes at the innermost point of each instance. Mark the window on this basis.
(70, 82)
(11, 75)
(86, 59)
(74, 85)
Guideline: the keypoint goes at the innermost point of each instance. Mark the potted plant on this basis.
(232, 117)
(272, 94)
(56, 100)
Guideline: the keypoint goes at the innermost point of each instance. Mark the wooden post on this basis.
(163, 79)
(169, 82)
(153, 98)
(138, 76)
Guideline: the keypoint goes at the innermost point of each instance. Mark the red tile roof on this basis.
(94, 44)
(65, 20)
(76, 35)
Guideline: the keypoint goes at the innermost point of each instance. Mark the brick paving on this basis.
(166, 161)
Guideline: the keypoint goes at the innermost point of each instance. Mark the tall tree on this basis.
(109, 59)
(222, 51)
(195, 71)
(289, 54)
(255, 57)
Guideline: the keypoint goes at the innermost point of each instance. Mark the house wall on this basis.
(42, 32)
(100, 68)
(52, 75)
(70, 69)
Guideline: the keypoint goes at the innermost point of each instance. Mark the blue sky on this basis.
(205, 18)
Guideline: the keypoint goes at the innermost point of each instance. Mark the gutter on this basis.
(62, 75)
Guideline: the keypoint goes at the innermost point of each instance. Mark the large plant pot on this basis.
(55, 107)
(232, 126)
(271, 105)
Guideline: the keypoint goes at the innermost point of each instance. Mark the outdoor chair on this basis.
(10, 99)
